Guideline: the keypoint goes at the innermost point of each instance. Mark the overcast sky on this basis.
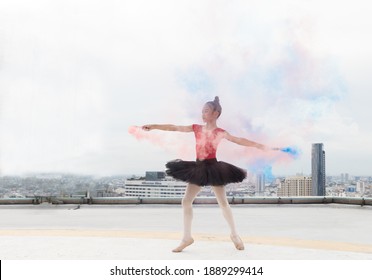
(75, 75)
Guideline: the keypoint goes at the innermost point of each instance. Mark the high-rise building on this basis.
(295, 186)
(347, 178)
(318, 173)
(260, 184)
(360, 187)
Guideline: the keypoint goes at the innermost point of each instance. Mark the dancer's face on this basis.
(208, 114)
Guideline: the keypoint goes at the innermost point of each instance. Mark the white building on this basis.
(360, 187)
(162, 188)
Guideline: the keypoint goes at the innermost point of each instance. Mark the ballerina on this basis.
(206, 170)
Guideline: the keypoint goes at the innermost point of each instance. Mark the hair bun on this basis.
(215, 105)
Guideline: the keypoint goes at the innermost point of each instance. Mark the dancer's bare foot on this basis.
(237, 242)
(183, 245)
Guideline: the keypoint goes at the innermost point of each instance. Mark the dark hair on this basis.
(215, 104)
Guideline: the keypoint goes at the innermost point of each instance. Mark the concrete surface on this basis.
(150, 232)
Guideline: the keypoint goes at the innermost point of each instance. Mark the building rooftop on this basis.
(146, 232)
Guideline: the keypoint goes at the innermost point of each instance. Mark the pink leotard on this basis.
(207, 141)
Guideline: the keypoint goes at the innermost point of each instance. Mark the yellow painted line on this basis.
(262, 240)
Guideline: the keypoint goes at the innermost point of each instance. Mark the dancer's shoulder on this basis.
(196, 127)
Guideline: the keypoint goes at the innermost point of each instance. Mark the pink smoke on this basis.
(177, 144)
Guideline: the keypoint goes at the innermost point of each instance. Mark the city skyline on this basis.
(74, 79)
(156, 184)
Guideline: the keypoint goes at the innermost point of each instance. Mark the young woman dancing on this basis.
(206, 170)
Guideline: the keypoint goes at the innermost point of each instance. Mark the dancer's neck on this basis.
(210, 125)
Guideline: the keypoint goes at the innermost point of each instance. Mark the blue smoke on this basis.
(263, 167)
(293, 151)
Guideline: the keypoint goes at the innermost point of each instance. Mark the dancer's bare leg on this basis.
(227, 213)
(190, 194)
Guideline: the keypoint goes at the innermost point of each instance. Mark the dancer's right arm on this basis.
(168, 127)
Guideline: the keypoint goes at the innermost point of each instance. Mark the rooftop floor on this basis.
(148, 232)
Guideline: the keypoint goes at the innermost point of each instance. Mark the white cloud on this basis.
(74, 75)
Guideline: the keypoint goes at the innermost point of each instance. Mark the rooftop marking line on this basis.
(275, 241)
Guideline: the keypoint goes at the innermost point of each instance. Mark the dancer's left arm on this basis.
(244, 141)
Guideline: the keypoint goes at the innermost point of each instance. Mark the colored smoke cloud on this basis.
(293, 151)
(275, 91)
(175, 142)
(271, 95)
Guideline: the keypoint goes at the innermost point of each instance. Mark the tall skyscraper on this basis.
(260, 184)
(318, 173)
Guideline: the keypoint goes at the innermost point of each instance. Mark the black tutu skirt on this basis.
(208, 172)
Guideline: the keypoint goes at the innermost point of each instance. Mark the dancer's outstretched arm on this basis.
(245, 142)
(168, 127)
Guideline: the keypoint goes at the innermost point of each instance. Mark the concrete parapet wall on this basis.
(199, 200)
(17, 201)
(115, 200)
(160, 200)
(352, 200)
